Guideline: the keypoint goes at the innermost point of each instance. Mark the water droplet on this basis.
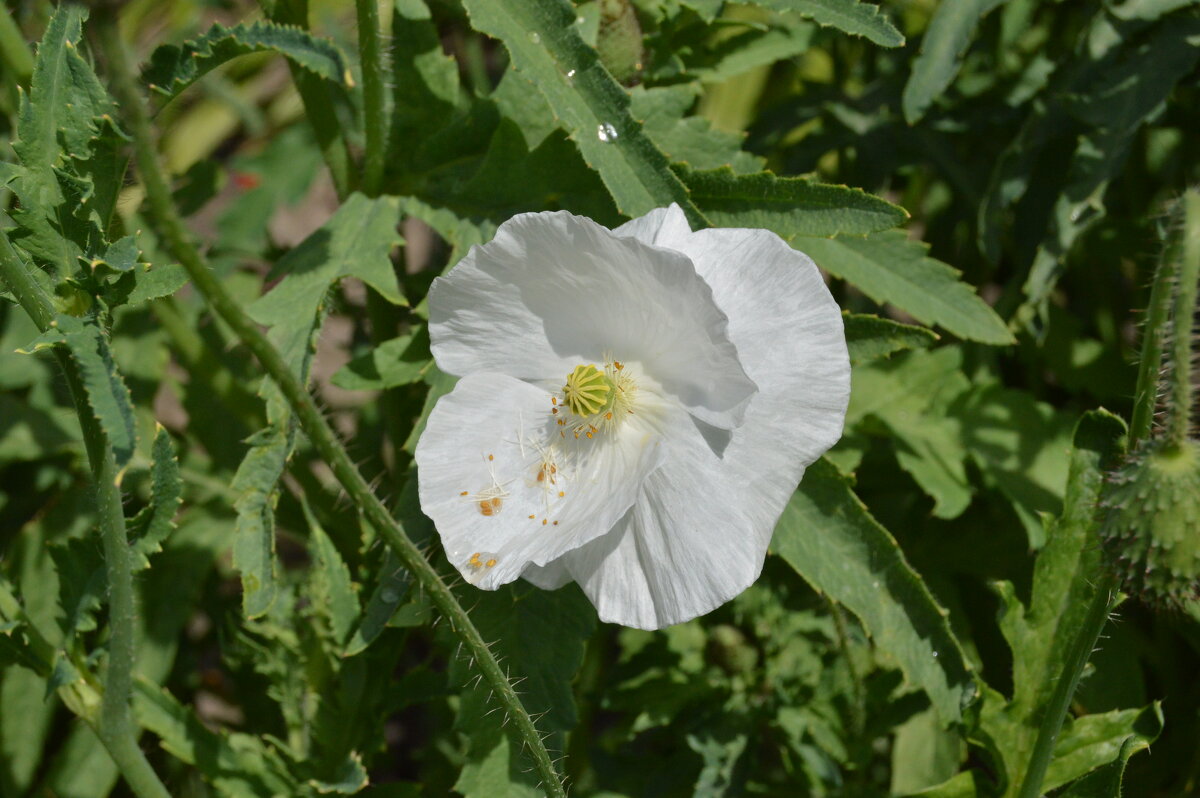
(875, 584)
(935, 655)
(534, 37)
(580, 20)
(389, 596)
(571, 77)
(606, 132)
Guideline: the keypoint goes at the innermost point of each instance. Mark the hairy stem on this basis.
(374, 96)
(1154, 335)
(320, 434)
(1179, 419)
(1099, 608)
(114, 726)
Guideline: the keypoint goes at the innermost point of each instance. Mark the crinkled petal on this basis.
(506, 488)
(699, 531)
(553, 290)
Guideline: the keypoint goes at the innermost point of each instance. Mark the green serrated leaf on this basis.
(144, 284)
(946, 40)
(66, 142)
(891, 268)
(830, 538)
(543, 41)
(849, 16)
(789, 206)
(255, 485)
(871, 337)
(1105, 781)
(1065, 578)
(356, 242)
(173, 68)
(107, 394)
(400, 361)
(120, 256)
(150, 527)
(65, 96)
(1092, 741)
(332, 589)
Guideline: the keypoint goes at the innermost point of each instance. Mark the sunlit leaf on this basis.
(830, 538)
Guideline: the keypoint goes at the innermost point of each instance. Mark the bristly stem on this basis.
(178, 241)
(374, 96)
(113, 726)
(1104, 598)
(1154, 335)
(1179, 418)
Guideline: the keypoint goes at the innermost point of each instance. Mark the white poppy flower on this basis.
(636, 407)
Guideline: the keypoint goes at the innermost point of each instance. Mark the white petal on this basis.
(659, 227)
(479, 460)
(553, 290)
(700, 530)
(692, 541)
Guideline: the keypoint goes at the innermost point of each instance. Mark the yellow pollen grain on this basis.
(491, 563)
(464, 493)
(556, 523)
(561, 494)
(554, 400)
(491, 457)
(531, 516)
(589, 435)
(543, 522)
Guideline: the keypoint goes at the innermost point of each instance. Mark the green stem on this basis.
(1157, 318)
(114, 727)
(1179, 420)
(381, 313)
(320, 434)
(374, 96)
(1101, 606)
(14, 50)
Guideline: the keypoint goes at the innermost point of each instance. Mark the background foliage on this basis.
(982, 180)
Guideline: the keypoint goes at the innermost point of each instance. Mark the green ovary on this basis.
(588, 391)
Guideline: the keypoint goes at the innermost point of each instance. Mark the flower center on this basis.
(597, 401)
(588, 391)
